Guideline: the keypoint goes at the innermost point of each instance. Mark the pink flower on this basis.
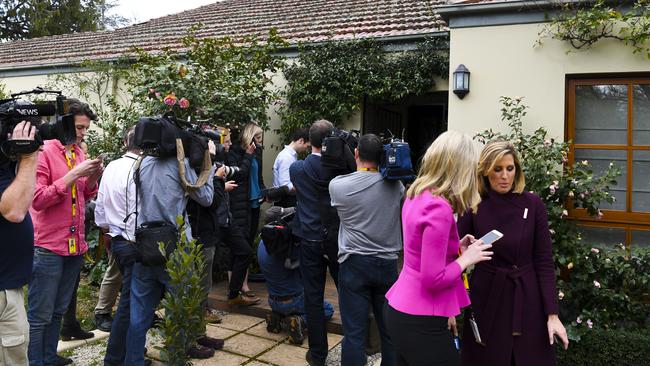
(547, 143)
(170, 99)
(184, 103)
(595, 250)
(579, 320)
(158, 95)
(590, 324)
(582, 195)
(560, 295)
(597, 284)
(152, 91)
(600, 214)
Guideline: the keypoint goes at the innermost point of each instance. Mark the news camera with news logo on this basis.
(15, 110)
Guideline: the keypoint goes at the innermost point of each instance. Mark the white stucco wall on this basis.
(503, 62)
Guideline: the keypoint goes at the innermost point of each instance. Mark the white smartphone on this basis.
(491, 237)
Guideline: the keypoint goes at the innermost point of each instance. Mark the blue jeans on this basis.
(124, 254)
(296, 306)
(313, 268)
(363, 283)
(50, 291)
(147, 287)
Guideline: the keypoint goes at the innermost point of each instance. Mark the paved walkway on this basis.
(246, 343)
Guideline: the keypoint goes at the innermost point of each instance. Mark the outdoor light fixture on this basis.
(461, 81)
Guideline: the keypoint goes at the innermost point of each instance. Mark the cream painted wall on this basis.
(503, 61)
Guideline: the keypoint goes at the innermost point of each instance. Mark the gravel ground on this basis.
(91, 355)
(334, 357)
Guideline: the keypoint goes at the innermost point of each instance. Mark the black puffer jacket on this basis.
(240, 205)
(205, 220)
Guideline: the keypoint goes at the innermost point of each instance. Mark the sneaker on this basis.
(75, 333)
(243, 300)
(62, 361)
(212, 317)
(200, 352)
(273, 322)
(103, 322)
(214, 343)
(296, 329)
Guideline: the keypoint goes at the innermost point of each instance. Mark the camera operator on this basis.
(17, 184)
(316, 224)
(64, 181)
(369, 243)
(298, 145)
(161, 197)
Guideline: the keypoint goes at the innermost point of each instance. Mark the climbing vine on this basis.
(585, 26)
(330, 80)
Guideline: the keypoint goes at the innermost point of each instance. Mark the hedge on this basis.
(606, 348)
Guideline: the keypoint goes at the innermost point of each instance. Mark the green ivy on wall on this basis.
(583, 26)
(330, 80)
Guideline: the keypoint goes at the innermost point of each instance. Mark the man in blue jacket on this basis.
(316, 224)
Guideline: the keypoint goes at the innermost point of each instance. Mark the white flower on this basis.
(579, 320)
(595, 250)
(571, 194)
(607, 260)
(565, 213)
(560, 295)
(590, 324)
(597, 284)
(585, 162)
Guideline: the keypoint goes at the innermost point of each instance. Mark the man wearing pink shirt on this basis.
(64, 181)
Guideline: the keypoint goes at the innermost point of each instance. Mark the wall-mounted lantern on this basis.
(461, 81)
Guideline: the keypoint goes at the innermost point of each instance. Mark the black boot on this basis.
(75, 332)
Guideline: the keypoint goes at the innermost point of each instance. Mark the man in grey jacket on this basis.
(369, 243)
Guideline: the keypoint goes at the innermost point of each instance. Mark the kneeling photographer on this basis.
(163, 187)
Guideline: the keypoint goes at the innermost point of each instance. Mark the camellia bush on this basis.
(596, 289)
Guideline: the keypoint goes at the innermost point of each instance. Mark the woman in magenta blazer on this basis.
(429, 293)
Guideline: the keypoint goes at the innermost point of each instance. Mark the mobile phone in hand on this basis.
(491, 237)
(102, 156)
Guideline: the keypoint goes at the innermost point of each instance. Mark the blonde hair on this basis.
(449, 170)
(250, 130)
(491, 154)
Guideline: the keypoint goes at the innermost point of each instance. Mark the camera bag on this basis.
(396, 161)
(277, 236)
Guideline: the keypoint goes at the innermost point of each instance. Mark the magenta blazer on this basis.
(430, 282)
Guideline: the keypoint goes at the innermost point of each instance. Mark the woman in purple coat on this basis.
(513, 296)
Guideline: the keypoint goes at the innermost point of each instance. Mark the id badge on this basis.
(72, 246)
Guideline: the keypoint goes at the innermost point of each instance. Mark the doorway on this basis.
(418, 120)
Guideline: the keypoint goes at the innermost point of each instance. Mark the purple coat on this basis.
(512, 294)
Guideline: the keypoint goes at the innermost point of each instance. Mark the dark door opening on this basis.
(419, 120)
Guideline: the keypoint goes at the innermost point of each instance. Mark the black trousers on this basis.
(313, 268)
(241, 256)
(420, 340)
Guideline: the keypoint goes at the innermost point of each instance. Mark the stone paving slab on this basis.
(64, 346)
(285, 355)
(248, 345)
(238, 322)
(260, 331)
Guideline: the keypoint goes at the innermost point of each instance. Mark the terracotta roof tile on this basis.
(296, 21)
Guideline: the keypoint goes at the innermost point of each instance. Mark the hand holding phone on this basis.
(102, 156)
(491, 237)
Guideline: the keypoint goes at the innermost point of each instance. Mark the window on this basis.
(608, 121)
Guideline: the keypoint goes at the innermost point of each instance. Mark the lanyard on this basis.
(367, 169)
(74, 185)
(464, 274)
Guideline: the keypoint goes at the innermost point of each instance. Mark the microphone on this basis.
(35, 110)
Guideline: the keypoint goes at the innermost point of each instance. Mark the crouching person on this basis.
(284, 285)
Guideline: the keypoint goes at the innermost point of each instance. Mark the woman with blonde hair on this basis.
(245, 199)
(520, 280)
(429, 293)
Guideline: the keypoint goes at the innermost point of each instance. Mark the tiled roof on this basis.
(296, 21)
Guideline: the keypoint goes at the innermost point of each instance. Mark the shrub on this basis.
(606, 348)
(183, 322)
